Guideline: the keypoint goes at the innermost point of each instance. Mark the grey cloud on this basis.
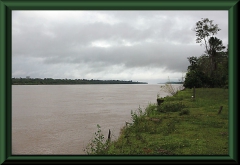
(158, 39)
(146, 54)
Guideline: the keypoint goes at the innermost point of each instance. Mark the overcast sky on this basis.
(147, 46)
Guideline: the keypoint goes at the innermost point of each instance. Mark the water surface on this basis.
(62, 119)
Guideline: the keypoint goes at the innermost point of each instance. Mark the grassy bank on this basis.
(181, 125)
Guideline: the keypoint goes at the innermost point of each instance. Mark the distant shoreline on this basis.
(171, 83)
(87, 84)
(50, 81)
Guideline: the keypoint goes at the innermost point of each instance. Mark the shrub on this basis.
(137, 116)
(168, 88)
(171, 107)
(97, 145)
(184, 112)
(151, 110)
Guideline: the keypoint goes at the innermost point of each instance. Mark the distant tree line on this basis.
(173, 82)
(50, 81)
(211, 68)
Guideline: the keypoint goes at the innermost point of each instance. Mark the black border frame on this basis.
(6, 7)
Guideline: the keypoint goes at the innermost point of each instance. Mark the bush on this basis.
(184, 112)
(170, 89)
(138, 115)
(151, 110)
(171, 107)
(97, 145)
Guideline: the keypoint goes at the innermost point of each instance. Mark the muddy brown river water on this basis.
(62, 119)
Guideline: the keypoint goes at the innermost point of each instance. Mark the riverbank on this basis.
(181, 125)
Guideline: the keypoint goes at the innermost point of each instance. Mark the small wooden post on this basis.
(220, 110)
(109, 135)
(194, 92)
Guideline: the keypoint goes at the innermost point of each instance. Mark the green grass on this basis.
(181, 125)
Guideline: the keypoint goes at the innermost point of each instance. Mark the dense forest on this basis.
(50, 81)
(210, 70)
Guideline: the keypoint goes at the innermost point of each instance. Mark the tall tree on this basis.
(205, 29)
(215, 47)
(210, 69)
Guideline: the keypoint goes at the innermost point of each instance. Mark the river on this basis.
(62, 119)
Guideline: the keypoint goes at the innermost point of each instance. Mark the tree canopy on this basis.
(211, 68)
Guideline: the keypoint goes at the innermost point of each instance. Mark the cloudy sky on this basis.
(147, 46)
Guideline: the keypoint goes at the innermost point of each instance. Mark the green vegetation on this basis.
(98, 145)
(50, 81)
(181, 125)
(211, 68)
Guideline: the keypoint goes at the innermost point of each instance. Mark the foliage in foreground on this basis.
(182, 126)
(98, 145)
